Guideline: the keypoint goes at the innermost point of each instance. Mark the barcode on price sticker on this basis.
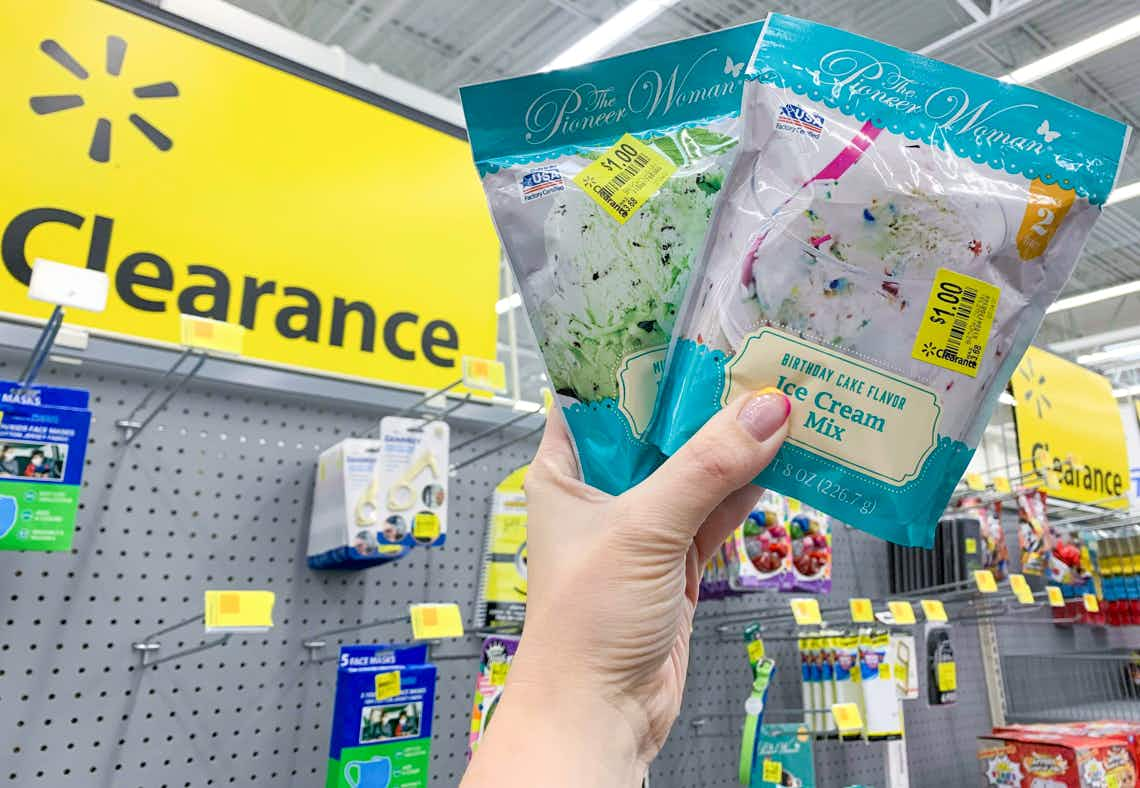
(956, 324)
(625, 177)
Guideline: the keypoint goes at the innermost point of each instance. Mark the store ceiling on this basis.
(441, 44)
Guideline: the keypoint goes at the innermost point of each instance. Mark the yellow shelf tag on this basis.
(432, 622)
(239, 611)
(1056, 598)
(934, 610)
(755, 650)
(1002, 485)
(847, 717)
(484, 374)
(625, 177)
(861, 611)
(206, 334)
(387, 684)
(1092, 605)
(947, 676)
(1021, 589)
(984, 579)
(901, 611)
(975, 482)
(499, 673)
(773, 772)
(806, 611)
(971, 545)
(425, 526)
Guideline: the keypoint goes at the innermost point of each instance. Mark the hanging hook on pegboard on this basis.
(149, 644)
(131, 426)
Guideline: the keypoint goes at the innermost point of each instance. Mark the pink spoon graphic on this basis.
(833, 171)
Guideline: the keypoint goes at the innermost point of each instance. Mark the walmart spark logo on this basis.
(928, 349)
(100, 147)
(1034, 396)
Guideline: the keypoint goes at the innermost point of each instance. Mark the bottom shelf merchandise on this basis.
(1061, 755)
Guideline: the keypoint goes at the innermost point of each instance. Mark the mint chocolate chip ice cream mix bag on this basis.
(883, 250)
(601, 181)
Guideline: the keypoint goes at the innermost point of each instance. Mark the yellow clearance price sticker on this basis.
(1021, 589)
(206, 334)
(861, 611)
(1056, 598)
(847, 717)
(499, 673)
(625, 177)
(484, 374)
(806, 611)
(956, 323)
(984, 579)
(755, 650)
(1001, 484)
(1092, 605)
(901, 611)
(432, 622)
(947, 676)
(934, 610)
(239, 611)
(773, 772)
(971, 546)
(975, 482)
(387, 684)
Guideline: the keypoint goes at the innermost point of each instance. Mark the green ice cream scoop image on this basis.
(614, 289)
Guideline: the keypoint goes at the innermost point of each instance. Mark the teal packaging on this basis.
(385, 742)
(791, 747)
(43, 440)
(883, 251)
(602, 292)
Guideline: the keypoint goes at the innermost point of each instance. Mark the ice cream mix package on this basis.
(882, 251)
(601, 181)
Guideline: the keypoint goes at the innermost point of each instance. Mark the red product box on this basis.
(1125, 730)
(1043, 759)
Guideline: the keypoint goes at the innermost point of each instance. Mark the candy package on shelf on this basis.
(1033, 535)
(994, 550)
(883, 250)
(601, 179)
(810, 532)
(762, 547)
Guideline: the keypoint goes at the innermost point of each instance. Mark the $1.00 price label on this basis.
(625, 177)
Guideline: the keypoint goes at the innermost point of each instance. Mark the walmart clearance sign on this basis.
(1069, 422)
(344, 237)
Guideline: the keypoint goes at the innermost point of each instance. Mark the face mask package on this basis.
(381, 728)
(882, 251)
(601, 180)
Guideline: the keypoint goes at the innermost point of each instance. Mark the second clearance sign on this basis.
(343, 236)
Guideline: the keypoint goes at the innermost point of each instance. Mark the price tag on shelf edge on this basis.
(1002, 485)
(934, 610)
(432, 622)
(901, 611)
(1021, 589)
(1056, 598)
(984, 579)
(861, 610)
(847, 717)
(975, 482)
(1092, 604)
(806, 611)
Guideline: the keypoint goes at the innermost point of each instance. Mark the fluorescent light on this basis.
(1129, 391)
(623, 23)
(1005, 398)
(1124, 351)
(1116, 291)
(1083, 49)
(1122, 193)
(504, 305)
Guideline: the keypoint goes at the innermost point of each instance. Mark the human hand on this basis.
(612, 586)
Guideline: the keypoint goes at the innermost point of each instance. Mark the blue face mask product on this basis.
(43, 440)
(601, 180)
(883, 251)
(381, 727)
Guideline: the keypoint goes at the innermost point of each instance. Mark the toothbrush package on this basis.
(883, 250)
(601, 180)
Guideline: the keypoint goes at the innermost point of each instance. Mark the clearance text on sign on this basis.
(343, 236)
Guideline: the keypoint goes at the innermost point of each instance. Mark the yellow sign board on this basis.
(1069, 423)
(344, 237)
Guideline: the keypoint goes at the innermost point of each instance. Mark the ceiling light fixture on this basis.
(1084, 299)
(600, 39)
(1082, 50)
(1128, 350)
(1122, 193)
(504, 305)
(1129, 391)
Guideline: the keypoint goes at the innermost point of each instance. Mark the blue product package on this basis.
(43, 441)
(883, 251)
(602, 275)
(382, 741)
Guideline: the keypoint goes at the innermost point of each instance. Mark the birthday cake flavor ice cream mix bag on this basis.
(883, 250)
(601, 180)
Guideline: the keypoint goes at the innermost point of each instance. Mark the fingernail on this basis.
(763, 414)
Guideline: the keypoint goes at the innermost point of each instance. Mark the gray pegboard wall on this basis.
(215, 494)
